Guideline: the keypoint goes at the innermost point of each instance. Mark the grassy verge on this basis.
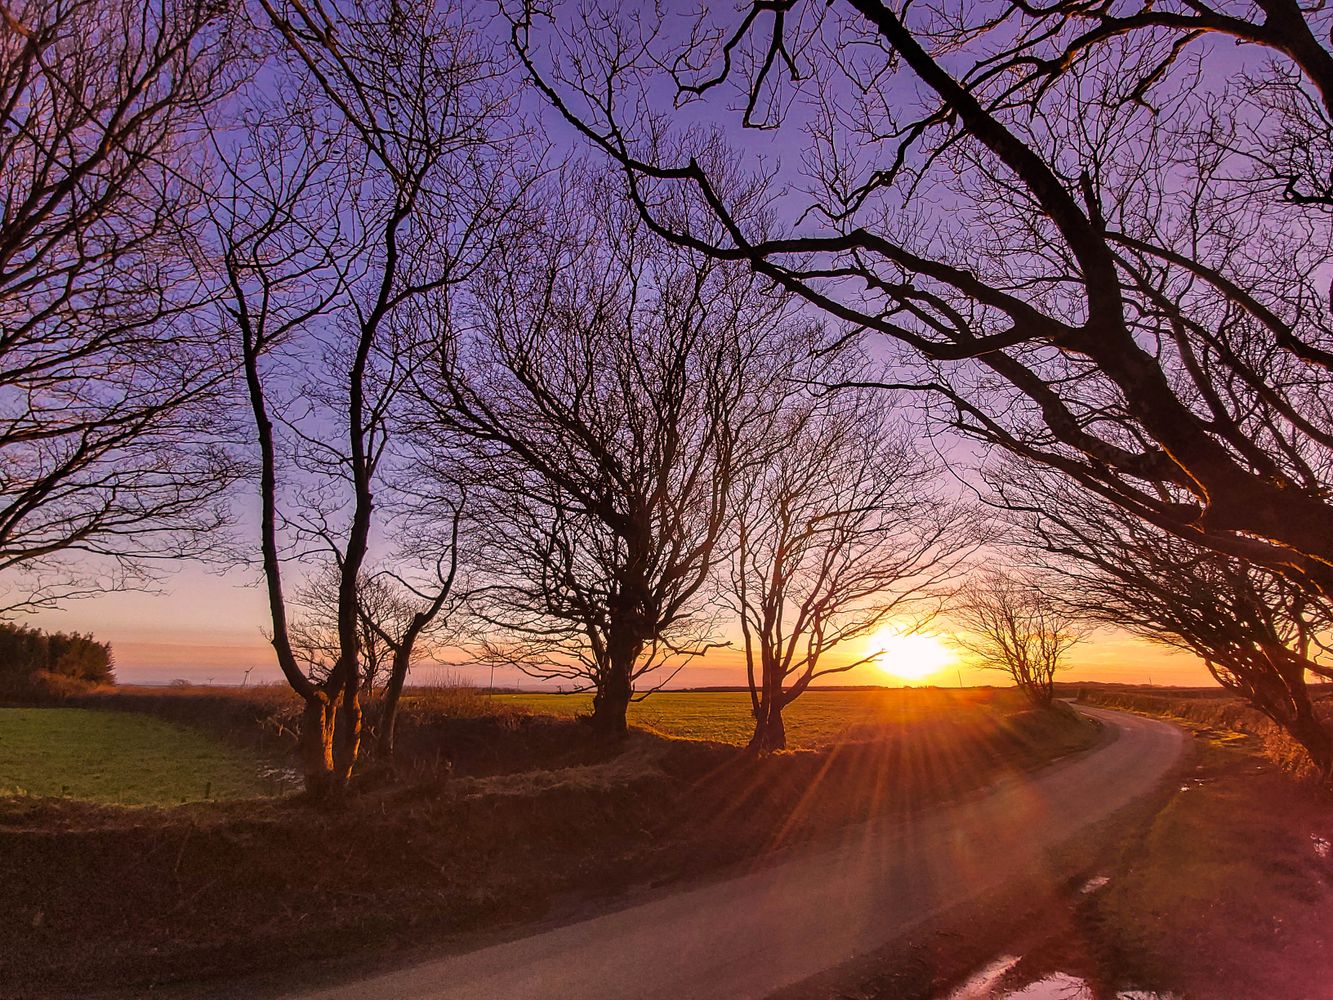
(1220, 713)
(113, 757)
(1221, 894)
(1228, 891)
(96, 897)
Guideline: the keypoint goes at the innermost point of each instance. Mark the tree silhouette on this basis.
(110, 384)
(845, 526)
(1095, 252)
(1259, 635)
(1011, 623)
(365, 187)
(609, 390)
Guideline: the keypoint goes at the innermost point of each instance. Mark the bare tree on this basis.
(611, 389)
(367, 184)
(412, 616)
(1107, 255)
(844, 528)
(1012, 623)
(1259, 635)
(399, 621)
(314, 626)
(109, 382)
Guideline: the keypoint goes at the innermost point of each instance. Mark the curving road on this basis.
(749, 936)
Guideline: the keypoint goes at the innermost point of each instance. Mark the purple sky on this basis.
(201, 625)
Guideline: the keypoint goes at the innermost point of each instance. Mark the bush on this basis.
(51, 665)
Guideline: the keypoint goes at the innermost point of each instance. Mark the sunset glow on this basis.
(912, 656)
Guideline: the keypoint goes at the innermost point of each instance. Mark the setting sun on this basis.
(912, 656)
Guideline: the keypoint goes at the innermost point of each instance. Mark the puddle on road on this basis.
(983, 984)
(1059, 986)
(989, 984)
(1095, 883)
(281, 779)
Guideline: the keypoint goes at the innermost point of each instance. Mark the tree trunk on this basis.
(316, 743)
(1286, 700)
(347, 733)
(392, 693)
(1318, 743)
(1040, 693)
(770, 733)
(611, 702)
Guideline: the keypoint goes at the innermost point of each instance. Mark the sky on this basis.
(208, 628)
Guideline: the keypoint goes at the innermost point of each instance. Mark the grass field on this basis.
(817, 718)
(120, 757)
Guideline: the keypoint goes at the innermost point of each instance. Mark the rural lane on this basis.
(751, 935)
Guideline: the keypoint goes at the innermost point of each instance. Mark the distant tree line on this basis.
(38, 664)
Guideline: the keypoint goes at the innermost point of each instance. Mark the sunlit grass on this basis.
(817, 718)
(120, 757)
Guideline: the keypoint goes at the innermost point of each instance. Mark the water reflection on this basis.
(997, 982)
(1095, 883)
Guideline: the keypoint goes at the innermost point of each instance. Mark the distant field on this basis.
(816, 718)
(120, 757)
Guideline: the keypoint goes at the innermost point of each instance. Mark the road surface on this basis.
(749, 936)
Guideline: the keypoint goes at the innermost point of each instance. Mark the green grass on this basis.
(817, 718)
(120, 757)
